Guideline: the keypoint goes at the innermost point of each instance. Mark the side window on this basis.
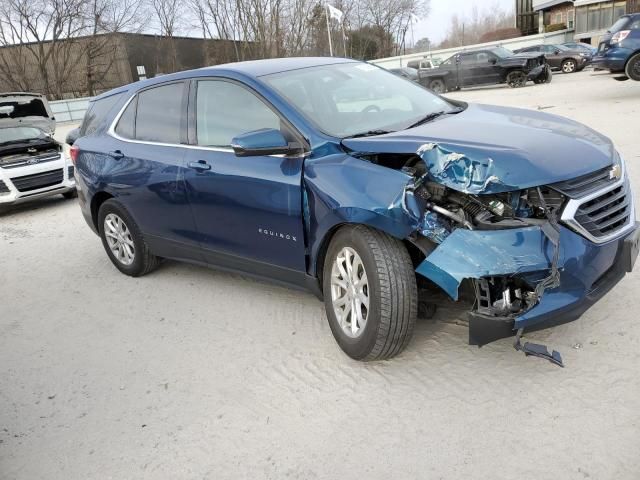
(635, 25)
(97, 112)
(225, 110)
(467, 58)
(127, 123)
(482, 57)
(158, 114)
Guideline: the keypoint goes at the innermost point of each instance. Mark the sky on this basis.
(436, 24)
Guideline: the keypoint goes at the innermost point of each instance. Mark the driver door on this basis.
(247, 210)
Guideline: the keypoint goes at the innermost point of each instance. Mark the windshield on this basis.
(502, 52)
(347, 99)
(20, 134)
(562, 47)
(619, 25)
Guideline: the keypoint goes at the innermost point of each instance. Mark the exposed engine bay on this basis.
(446, 210)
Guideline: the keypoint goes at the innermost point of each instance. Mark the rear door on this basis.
(248, 210)
(146, 168)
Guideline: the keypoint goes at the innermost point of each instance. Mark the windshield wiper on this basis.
(433, 116)
(370, 133)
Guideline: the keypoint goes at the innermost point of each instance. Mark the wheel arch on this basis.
(376, 221)
(96, 201)
(626, 63)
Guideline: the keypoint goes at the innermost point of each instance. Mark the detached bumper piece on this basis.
(537, 350)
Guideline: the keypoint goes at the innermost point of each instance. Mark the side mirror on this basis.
(267, 141)
(72, 136)
(493, 61)
(556, 51)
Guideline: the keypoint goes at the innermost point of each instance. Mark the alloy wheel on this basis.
(119, 239)
(568, 66)
(437, 86)
(517, 79)
(350, 292)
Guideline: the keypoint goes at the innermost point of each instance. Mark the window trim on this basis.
(192, 116)
(112, 128)
(189, 94)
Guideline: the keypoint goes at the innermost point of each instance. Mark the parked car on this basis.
(266, 168)
(560, 57)
(406, 72)
(619, 49)
(581, 46)
(422, 64)
(484, 67)
(29, 109)
(32, 164)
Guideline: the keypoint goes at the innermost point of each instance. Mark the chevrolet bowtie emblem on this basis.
(615, 172)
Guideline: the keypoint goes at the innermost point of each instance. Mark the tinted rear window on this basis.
(98, 110)
(158, 114)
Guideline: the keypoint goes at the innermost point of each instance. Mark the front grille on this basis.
(35, 181)
(606, 213)
(3, 188)
(586, 184)
(22, 159)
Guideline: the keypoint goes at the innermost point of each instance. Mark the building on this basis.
(589, 19)
(526, 18)
(86, 66)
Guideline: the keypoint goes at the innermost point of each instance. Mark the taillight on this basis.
(74, 151)
(620, 36)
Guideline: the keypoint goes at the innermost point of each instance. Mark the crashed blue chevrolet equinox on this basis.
(367, 189)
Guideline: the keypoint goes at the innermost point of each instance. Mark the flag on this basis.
(335, 13)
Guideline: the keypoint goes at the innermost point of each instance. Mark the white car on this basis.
(32, 164)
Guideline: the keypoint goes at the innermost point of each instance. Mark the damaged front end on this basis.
(528, 266)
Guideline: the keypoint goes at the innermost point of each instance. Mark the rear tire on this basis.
(633, 68)
(437, 85)
(568, 66)
(123, 241)
(391, 293)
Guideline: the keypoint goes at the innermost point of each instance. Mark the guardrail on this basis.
(71, 110)
(558, 37)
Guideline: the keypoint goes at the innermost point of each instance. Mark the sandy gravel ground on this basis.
(192, 373)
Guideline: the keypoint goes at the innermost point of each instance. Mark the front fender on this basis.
(341, 189)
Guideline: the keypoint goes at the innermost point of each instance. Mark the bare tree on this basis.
(45, 31)
(169, 15)
(467, 30)
(105, 18)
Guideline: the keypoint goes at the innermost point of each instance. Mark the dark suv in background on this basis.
(560, 57)
(619, 50)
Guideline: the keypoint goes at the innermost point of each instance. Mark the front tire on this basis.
(517, 79)
(70, 195)
(370, 293)
(633, 68)
(123, 241)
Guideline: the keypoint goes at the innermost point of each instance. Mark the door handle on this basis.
(116, 154)
(199, 165)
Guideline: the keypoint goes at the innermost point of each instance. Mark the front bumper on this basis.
(613, 59)
(39, 180)
(587, 271)
(540, 71)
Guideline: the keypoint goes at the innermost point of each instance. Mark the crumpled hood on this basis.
(490, 149)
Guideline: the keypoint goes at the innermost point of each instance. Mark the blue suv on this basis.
(619, 49)
(363, 187)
